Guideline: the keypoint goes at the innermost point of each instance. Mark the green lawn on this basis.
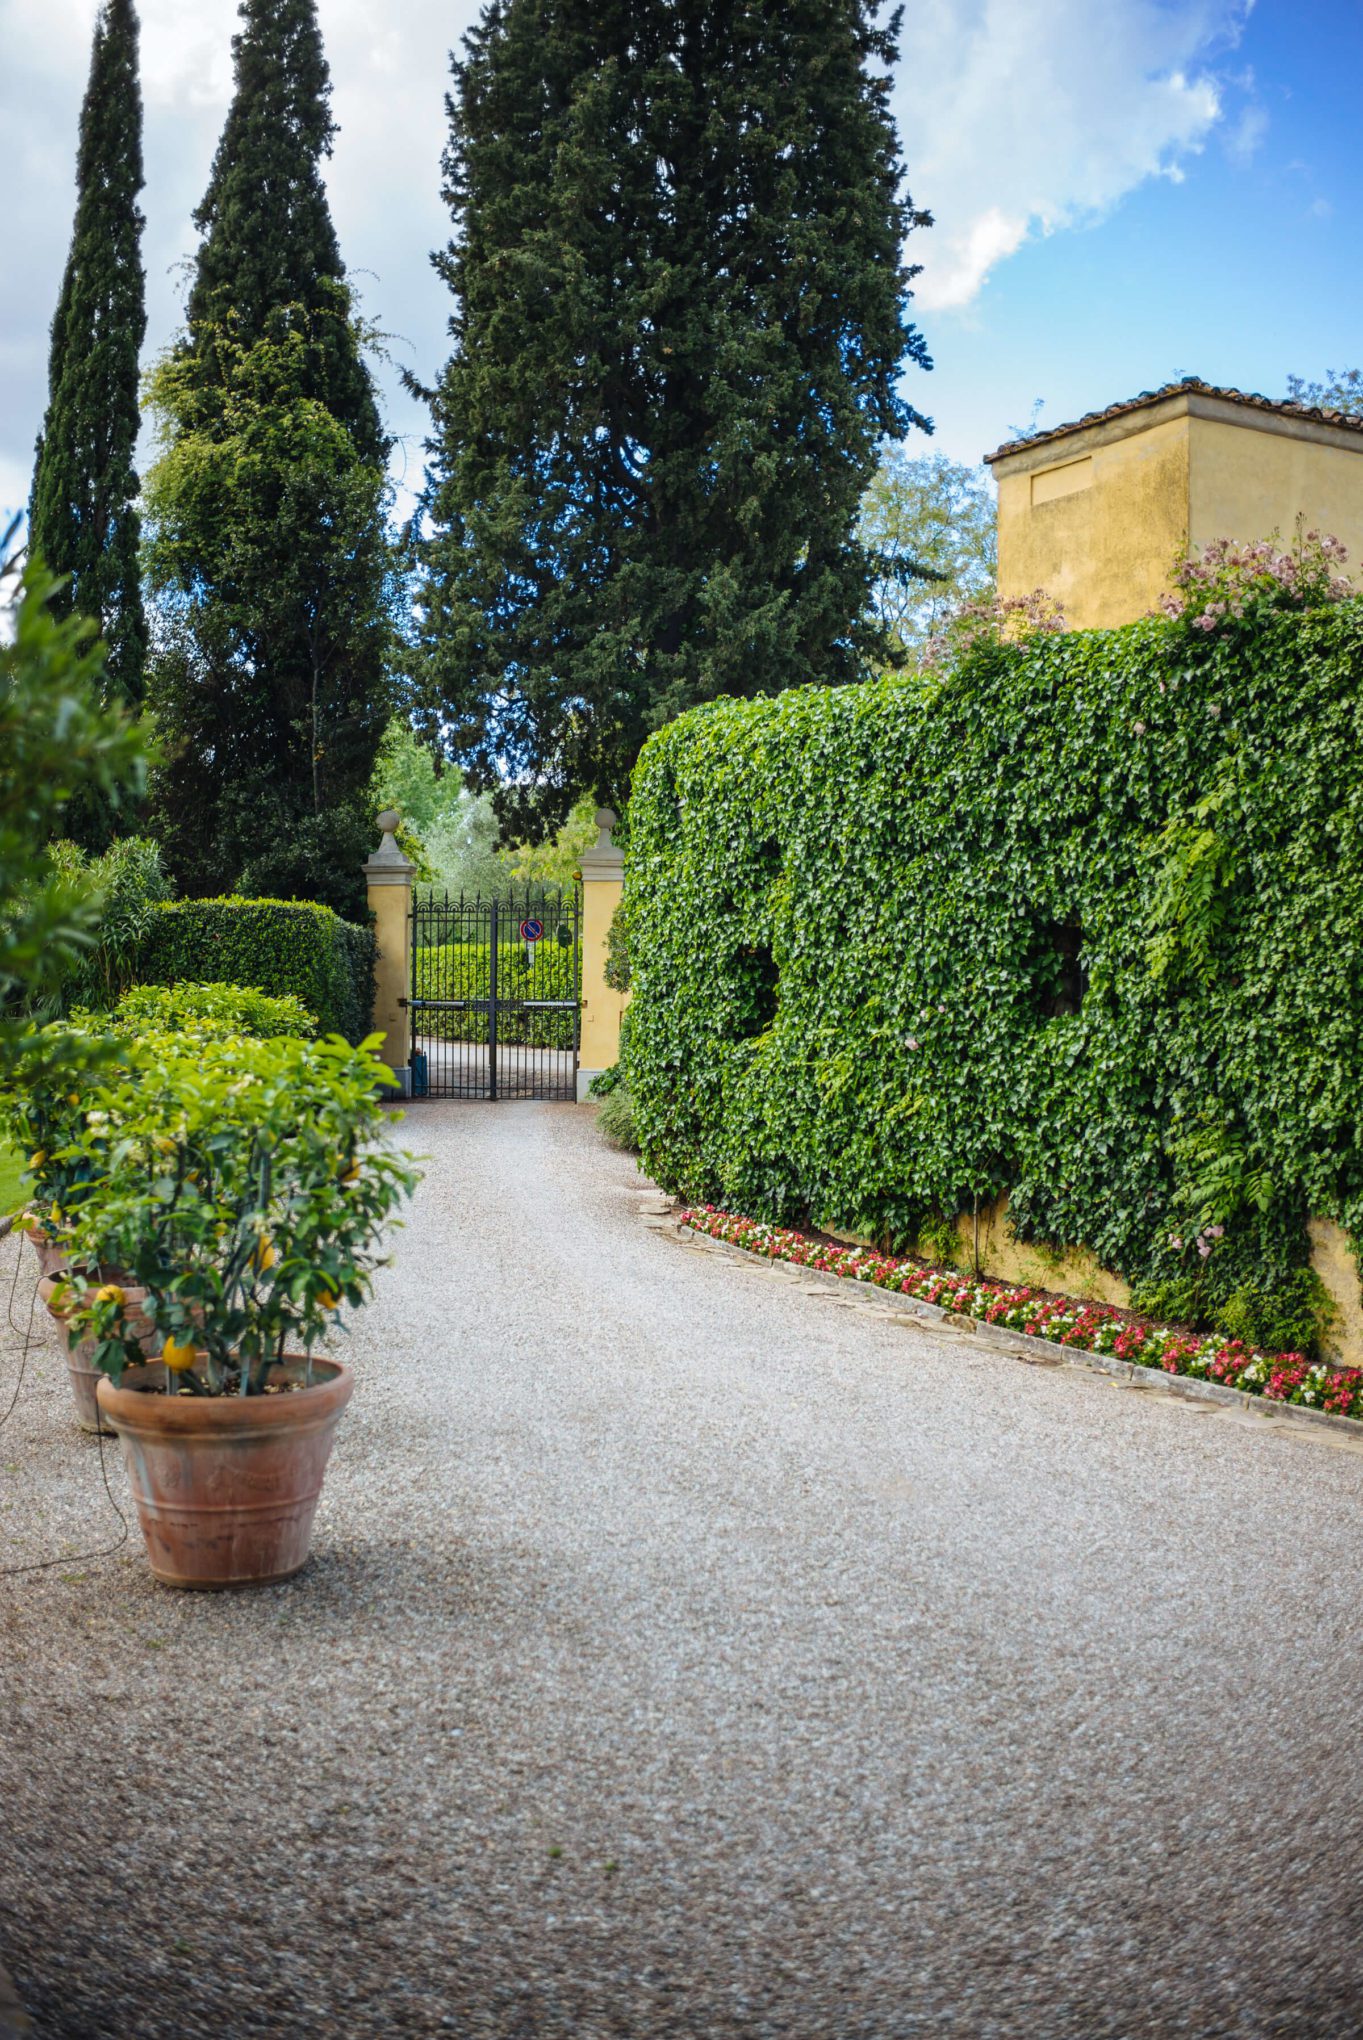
(11, 1189)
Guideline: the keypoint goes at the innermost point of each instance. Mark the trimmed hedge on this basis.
(461, 970)
(285, 947)
(1081, 920)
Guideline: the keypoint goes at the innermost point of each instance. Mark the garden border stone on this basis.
(1037, 1352)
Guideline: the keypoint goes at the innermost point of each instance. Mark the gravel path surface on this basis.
(688, 1650)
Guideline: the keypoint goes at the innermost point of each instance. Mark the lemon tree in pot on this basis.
(48, 1109)
(245, 1189)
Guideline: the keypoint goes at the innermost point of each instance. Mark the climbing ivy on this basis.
(1080, 919)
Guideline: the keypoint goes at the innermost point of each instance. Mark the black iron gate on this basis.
(495, 995)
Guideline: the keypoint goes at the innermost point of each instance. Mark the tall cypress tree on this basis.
(679, 325)
(267, 542)
(270, 263)
(82, 511)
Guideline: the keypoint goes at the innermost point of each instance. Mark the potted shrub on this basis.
(46, 1113)
(242, 1187)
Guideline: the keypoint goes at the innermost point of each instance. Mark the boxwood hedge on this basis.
(1081, 920)
(278, 946)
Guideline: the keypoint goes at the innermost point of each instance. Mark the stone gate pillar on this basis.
(603, 882)
(389, 878)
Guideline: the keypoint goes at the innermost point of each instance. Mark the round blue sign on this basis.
(532, 931)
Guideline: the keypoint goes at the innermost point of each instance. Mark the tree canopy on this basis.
(679, 325)
(929, 525)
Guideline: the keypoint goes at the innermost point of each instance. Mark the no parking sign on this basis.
(532, 932)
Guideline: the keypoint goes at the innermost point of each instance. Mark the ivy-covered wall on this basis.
(1081, 920)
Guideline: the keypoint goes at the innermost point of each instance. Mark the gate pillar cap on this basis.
(388, 866)
(603, 859)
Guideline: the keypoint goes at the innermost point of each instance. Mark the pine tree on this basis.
(678, 330)
(83, 517)
(267, 542)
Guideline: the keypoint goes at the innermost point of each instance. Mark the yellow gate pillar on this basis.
(389, 878)
(603, 881)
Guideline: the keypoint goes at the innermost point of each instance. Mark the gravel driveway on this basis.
(686, 1653)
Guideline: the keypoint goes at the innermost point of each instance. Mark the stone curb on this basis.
(1038, 1352)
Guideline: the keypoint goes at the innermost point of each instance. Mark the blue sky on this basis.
(1247, 268)
(1125, 191)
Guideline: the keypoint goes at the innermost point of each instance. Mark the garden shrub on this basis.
(130, 881)
(216, 1009)
(616, 1119)
(243, 1185)
(1080, 919)
(291, 948)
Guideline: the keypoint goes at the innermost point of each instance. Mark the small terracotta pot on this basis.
(226, 1486)
(51, 1253)
(84, 1376)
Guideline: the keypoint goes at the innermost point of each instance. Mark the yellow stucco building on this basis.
(1096, 512)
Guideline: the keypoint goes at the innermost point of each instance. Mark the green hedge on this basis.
(1081, 920)
(222, 1011)
(285, 947)
(461, 970)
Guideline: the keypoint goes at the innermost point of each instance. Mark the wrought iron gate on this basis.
(495, 996)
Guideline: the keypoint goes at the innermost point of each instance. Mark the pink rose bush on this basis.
(1227, 581)
(1090, 1327)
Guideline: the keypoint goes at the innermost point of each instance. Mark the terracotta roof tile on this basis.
(1352, 421)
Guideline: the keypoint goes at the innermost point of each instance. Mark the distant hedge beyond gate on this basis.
(1082, 920)
(278, 946)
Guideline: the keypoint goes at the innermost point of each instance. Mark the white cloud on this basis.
(1027, 116)
(1246, 135)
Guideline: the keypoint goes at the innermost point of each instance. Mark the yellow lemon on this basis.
(265, 1255)
(37, 1158)
(56, 1214)
(73, 1098)
(179, 1359)
(326, 1301)
(109, 1292)
(352, 1174)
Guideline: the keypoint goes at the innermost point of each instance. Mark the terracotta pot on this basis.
(84, 1376)
(226, 1487)
(51, 1253)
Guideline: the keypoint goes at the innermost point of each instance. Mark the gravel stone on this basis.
(682, 1657)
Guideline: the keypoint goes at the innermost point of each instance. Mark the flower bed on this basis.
(1090, 1327)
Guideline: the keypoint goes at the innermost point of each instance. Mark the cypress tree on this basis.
(82, 511)
(270, 263)
(267, 541)
(678, 328)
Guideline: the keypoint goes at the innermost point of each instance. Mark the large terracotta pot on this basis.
(81, 1370)
(226, 1487)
